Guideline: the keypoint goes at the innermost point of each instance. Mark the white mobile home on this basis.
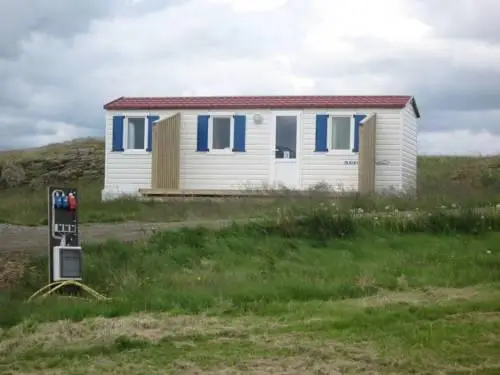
(176, 145)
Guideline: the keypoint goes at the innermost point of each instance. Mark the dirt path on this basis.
(31, 240)
(16, 239)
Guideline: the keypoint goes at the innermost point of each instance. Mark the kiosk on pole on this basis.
(65, 252)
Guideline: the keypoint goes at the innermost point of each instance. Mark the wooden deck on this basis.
(152, 193)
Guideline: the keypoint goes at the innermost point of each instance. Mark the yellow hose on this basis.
(56, 285)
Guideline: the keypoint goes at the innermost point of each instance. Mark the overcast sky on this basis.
(61, 60)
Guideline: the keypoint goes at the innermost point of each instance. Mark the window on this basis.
(221, 133)
(286, 137)
(340, 133)
(136, 133)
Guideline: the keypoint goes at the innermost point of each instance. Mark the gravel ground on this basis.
(32, 240)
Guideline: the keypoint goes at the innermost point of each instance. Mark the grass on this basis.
(25, 206)
(24, 175)
(312, 295)
(309, 290)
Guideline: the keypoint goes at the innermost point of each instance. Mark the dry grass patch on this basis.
(209, 345)
(104, 331)
(472, 317)
(256, 354)
(431, 295)
(324, 341)
(11, 271)
(294, 353)
(299, 365)
(310, 351)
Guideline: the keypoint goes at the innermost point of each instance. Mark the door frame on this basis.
(298, 152)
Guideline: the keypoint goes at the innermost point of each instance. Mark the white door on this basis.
(286, 151)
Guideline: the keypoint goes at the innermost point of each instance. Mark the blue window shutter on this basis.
(117, 137)
(151, 120)
(240, 125)
(357, 120)
(321, 133)
(202, 134)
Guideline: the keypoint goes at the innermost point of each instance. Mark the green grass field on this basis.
(308, 290)
(284, 296)
(24, 175)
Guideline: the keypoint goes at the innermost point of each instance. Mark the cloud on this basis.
(459, 142)
(63, 62)
(22, 134)
(462, 19)
(60, 18)
(252, 6)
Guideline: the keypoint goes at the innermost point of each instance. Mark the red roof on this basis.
(257, 102)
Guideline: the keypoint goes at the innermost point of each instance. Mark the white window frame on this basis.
(331, 150)
(211, 133)
(125, 135)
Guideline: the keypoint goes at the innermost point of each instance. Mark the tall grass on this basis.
(319, 255)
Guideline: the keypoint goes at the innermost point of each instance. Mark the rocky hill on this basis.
(68, 161)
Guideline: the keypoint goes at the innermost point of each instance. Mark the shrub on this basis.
(327, 222)
(12, 175)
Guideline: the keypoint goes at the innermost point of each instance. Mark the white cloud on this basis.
(252, 6)
(64, 132)
(336, 19)
(44, 132)
(211, 47)
(460, 142)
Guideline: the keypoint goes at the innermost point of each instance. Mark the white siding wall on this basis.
(231, 171)
(331, 168)
(126, 172)
(409, 149)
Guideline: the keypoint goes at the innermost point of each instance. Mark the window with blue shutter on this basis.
(151, 121)
(239, 133)
(357, 120)
(321, 133)
(117, 136)
(202, 133)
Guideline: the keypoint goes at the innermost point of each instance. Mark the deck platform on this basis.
(164, 193)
